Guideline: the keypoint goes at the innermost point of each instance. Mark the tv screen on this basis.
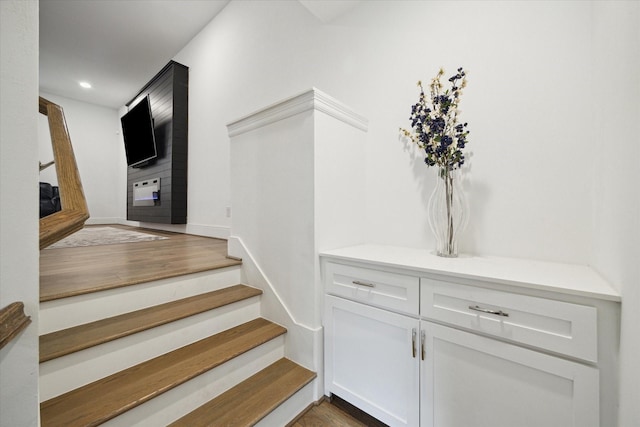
(138, 134)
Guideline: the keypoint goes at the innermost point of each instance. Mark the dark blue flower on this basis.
(435, 128)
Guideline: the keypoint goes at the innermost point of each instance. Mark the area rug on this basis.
(93, 236)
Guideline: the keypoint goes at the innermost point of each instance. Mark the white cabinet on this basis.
(471, 380)
(371, 360)
(500, 383)
(416, 347)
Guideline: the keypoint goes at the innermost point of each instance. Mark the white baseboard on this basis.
(102, 221)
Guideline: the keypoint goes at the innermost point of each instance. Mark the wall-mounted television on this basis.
(138, 134)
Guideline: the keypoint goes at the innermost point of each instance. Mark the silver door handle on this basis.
(368, 285)
(413, 342)
(423, 338)
(488, 311)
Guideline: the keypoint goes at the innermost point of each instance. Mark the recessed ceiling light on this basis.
(85, 85)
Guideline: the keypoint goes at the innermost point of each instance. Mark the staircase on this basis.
(187, 351)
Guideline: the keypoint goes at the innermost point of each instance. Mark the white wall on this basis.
(527, 112)
(616, 250)
(306, 198)
(528, 105)
(283, 248)
(98, 147)
(19, 206)
(539, 181)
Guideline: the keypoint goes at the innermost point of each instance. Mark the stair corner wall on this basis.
(297, 188)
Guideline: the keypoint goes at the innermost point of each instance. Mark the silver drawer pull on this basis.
(368, 285)
(413, 342)
(488, 311)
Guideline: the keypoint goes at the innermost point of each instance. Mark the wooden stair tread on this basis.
(66, 341)
(66, 272)
(109, 397)
(251, 400)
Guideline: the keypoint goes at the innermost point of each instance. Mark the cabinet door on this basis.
(470, 380)
(372, 360)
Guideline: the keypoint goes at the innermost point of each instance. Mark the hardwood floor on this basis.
(328, 414)
(63, 271)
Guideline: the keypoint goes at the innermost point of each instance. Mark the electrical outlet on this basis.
(228, 211)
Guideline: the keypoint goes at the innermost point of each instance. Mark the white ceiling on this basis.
(119, 45)
(116, 45)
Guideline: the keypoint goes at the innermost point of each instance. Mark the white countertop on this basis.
(555, 277)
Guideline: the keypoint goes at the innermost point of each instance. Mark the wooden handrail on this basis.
(74, 212)
(12, 322)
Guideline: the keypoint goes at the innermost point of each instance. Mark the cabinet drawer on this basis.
(557, 326)
(379, 288)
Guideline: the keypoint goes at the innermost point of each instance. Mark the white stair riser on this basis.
(66, 373)
(67, 312)
(289, 409)
(183, 399)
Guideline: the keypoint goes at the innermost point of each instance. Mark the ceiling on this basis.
(118, 46)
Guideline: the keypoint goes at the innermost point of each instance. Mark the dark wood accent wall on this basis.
(169, 95)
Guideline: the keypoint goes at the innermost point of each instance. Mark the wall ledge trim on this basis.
(312, 99)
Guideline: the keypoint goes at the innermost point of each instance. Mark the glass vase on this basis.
(447, 212)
